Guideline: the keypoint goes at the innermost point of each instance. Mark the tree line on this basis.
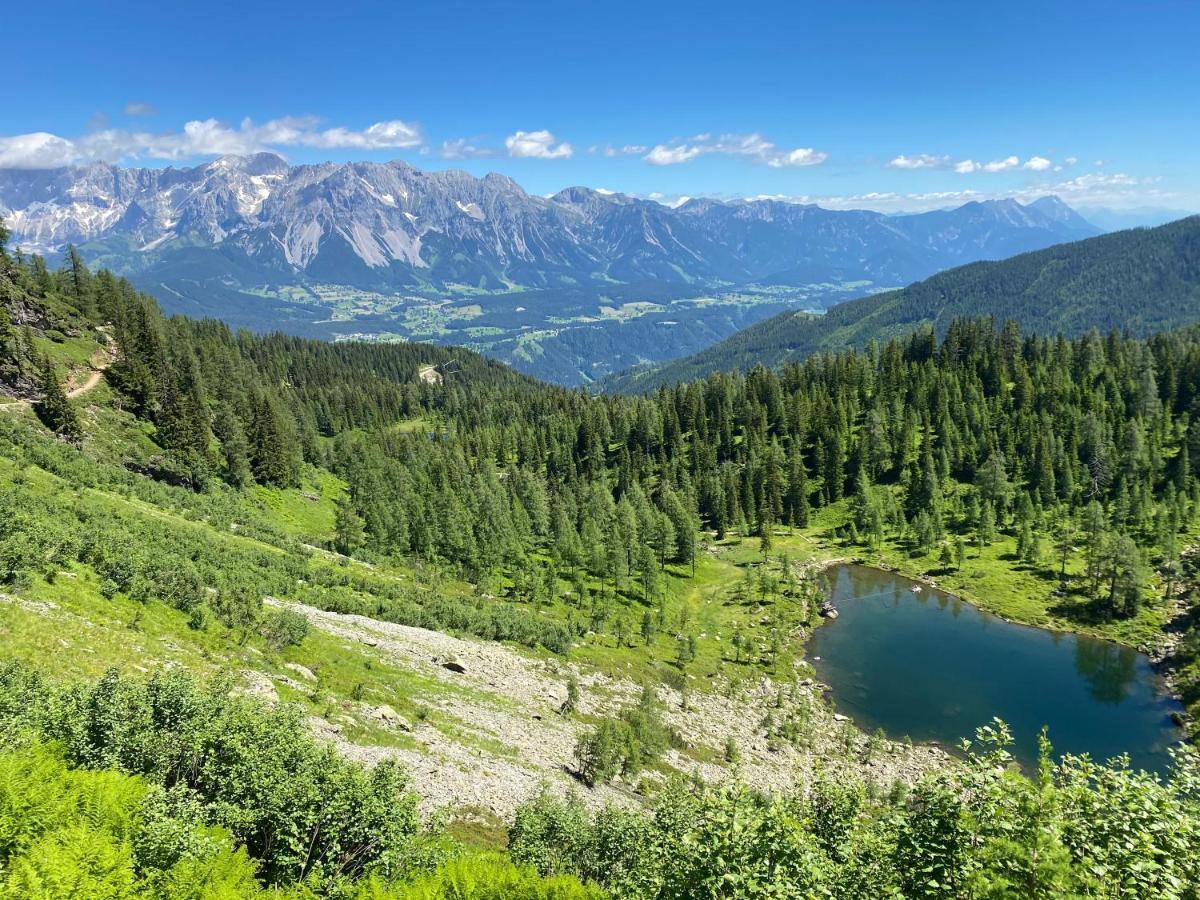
(1085, 442)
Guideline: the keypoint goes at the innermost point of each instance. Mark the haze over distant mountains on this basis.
(568, 287)
(1138, 217)
(1139, 282)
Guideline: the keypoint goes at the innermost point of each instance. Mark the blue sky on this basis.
(886, 105)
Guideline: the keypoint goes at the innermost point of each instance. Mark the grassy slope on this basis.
(68, 627)
(715, 598)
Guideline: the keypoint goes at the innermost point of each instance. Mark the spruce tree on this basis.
(349, 532)
(54, 408)
(234, 449)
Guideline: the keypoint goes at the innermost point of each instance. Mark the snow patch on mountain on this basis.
(456, 228)
(471, 209)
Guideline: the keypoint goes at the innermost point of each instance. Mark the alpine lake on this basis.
(915, 661)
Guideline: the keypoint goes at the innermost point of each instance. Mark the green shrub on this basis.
(300, 808)
(72, 833)
(624, 745)
(284, 628)
(978, 830)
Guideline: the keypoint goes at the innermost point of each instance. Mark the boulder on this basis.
(388, 716)
(303, 671)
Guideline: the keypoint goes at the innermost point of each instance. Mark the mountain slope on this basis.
(1139, 281)
(570, 288)
(390, 225)
(254, 563)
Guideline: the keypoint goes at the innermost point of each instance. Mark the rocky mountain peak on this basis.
(387, 225)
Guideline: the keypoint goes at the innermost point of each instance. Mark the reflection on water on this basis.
(935, 668)
(1110, 669)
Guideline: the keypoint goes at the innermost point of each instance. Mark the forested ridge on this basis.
(942, 442)
(565, 522)
(1137, 282)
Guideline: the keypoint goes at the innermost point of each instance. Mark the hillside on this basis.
(295, 619)
(569, 288)
(1139, 282)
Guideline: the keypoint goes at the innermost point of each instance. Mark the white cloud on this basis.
(137, 108)
(920, 161)
(462, 148)
(1001, 165)
(672, 200)
(626, 150)
(200, 137)
(39, 150)
(1071, 160)
(537, 145)
(1113, 190)
(968, 166)
(801, 156)
(380, 136)
(753, 147)
(664, 155)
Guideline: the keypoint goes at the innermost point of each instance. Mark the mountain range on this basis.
(549, 284)
(1139, 282)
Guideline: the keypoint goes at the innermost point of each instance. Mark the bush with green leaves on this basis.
(486, 877)
(106, 835)
(284, 627)
(102, 834)
(301, 809)
(982, 829)
(623, 745)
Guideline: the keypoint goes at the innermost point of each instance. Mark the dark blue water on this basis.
(932, 667)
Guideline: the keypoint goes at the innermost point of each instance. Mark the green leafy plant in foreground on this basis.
(981, 830)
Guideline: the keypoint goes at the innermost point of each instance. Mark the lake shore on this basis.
(882, 661)
(1160, 651)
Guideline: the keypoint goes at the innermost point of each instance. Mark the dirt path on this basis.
(99, 363)
(91, 382)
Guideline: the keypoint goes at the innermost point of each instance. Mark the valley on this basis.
(621, 451)
(554, 611)
(571, 338)
(571, 288)
(1139, 282)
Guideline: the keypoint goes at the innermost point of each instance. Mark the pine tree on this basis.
(1064, 544)
(349, 532)
(993, 484)
(272, 457)
(946, 557)
(54, 408)
(987, 525)
(647, 628)
(80, 282)
(234, 449)
(1094, 530)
